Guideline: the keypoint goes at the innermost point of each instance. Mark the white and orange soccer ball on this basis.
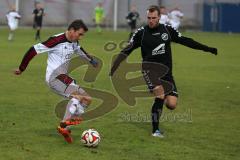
(90, 138)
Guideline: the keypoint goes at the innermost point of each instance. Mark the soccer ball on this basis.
(90, 138)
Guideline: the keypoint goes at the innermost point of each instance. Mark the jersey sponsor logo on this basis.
(68, 56)
(165, 36)
(160, 49)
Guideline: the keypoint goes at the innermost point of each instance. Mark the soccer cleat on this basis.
(74, 121)
(65, 133)
(157, 133)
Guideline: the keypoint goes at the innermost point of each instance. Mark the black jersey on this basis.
(132, 17)
(38, 15)
(155, 44)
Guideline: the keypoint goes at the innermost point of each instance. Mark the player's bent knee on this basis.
(158, 91)
(171, 106)
(86, 99)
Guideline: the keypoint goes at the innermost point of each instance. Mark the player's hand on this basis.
(213, 51)
(17, 72)
(94, 63)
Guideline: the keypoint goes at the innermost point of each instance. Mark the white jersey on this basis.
(12, 18)
(59, 50)
(176, 15)
(175, 18)
(164, 19)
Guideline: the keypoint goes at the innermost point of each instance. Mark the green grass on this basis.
(205, 124)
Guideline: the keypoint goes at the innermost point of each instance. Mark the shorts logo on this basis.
(164, 36)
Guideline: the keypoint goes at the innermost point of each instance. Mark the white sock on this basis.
(10, 36)
(80, 109)
(70, 108)
(74, 109)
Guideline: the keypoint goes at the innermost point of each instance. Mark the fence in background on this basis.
(62, 12)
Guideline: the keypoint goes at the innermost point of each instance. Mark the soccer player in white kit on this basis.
(175, 18)
(164, 19)
(12, 20)
(60, 48)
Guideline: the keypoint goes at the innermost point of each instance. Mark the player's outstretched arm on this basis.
(196, 45)
(134, 43)
(25, 61)
(121, 57)
(189, 42)
(88, 57)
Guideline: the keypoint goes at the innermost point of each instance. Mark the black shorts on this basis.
(133, 25)
(37, 24)
(158, 75)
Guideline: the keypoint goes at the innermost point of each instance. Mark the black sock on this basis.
(156, 113)
(37, 34)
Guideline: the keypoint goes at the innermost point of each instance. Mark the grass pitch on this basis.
(205, 124)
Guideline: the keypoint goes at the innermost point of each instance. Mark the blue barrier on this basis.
(221, 17)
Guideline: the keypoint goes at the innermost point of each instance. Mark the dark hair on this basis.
(154, 8)
(77, 24)
(162, 7)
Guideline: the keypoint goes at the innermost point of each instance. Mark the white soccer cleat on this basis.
(158, 134)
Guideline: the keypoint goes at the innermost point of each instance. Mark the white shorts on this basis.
(12, 26)
(64, 85)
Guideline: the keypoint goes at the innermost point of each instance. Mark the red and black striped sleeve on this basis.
(27, 58)
(53, 41)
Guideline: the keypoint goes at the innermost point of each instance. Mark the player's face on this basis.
(153, 19)
(38, 6)
(163, 11)
(76, 35)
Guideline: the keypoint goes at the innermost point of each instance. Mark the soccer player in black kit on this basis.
(132, 18)
(38, 14)
(155, 42)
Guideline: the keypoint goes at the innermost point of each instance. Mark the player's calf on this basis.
(158, 91)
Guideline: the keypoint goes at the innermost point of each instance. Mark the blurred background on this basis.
(206, 15)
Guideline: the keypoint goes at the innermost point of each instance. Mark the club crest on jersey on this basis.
(164, 36)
